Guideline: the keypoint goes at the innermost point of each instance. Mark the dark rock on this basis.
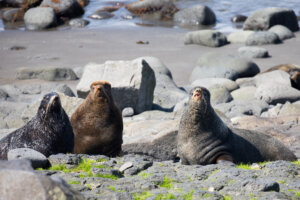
(267, 17)
(3, 94)
(37, 159)
(262, 185)
(262, 38)
(239, 18)
(64, 8)
(196, 15)
(68, 159)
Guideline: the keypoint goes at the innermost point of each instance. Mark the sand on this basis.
(76, 48)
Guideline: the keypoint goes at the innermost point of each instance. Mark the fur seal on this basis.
(98, 123)
(48, 132)
(203, 138)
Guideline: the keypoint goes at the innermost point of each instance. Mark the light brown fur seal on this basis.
(97, 123)
(48, 132)
(203, 138)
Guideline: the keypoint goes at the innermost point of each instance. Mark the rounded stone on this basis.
(39, 18)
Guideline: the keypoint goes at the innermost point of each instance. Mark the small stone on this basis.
(128, 112)
(125, 166)
(78, 23)
(239, 18)
(37, 159)
(211, 189)
(101, 15)
(253, 52)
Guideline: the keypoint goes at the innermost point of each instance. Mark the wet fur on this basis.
(98, 124)
(48, 132)
(203, 138)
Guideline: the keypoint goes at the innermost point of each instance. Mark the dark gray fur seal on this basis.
(203, 138)
(48, 132)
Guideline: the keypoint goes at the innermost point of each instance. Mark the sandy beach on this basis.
(76, 48)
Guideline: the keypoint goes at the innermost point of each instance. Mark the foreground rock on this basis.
(265, 18)
(208, 38)
(39, 18)
(143, 178)
(197, 15)
(253, 52)
(132, 82)
(282, 32)
(48, 74)
(214, 65)
(17, 182)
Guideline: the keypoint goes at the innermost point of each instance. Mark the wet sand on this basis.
(76, 48)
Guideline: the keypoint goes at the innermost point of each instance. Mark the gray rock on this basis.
(64, 8)
(181, 105)
(37, 159)
(253, 52)
(132, 82)
(216, 65)
(39, 18)
(49, 73)
(237, 108)
(156, 138)
(210, 38)
(64, 159)
(3, 94)
(277, 76)
(78, 71)
(16, 165)
(267, 17)
(78, 23)
(274, 93)
(128, 112)
(166, 92)
(239, 36)
(289, 109)
(63, 88)
(273, 111)
(10, 114)
(244, 93)
(282, 32)
(21, 184)
(262, 38)
(125, 166)
(262, 185)
(196, 15)
(219, 94)
(69, 104)
(211, 82)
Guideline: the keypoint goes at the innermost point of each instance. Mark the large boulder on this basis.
(274, 93)
(166, 92)
(64, 8)
(23, 183)
(239, 36)
(132, 82)
(282, 32)
(216, 65)
(253, 52)
(39, 18)
(197, 15)
(244, 93)
(209, 38)
(262, 38)
(48, 74)
(153, 9)
(156, 138)
(211, 82)
(267, 17)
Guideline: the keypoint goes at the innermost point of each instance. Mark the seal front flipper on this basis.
(225, 158)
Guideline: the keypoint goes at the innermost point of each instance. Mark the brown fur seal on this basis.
(97, 123)
(48, 132)
(292, 70)
(203, 138)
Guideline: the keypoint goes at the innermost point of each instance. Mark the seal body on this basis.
(203, 138)
(97, 123)
(48, 132)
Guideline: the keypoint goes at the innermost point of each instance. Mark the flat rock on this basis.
(277, 76)
(274, 93)
(253, 52)
(133, 82)
(21, 184)
(210, 38)
(287, 109)
(37, 159)
(282, 32)
(215, 65)
(262, 38)
(64, 159)
(239, 108)
(239, 36)
(64, 8)
(244, 93)
(211, 82)
(265, 18)
(39, 18)
(196, 15)
(48, 74)
(69, 104)
(156, 138)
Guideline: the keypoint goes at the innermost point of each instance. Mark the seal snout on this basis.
(197, 94)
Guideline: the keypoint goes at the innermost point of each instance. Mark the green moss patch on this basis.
(188, 196)
(145, 175)
(167, 183)
(74, 182)
(165, 196)
(141, 196)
